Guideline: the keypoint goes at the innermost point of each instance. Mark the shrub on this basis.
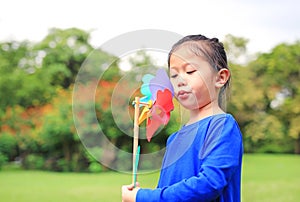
(8, 146)
(95, 167)
(3, 160)
(34, 161)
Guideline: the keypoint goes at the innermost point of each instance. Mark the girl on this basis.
(203, 159)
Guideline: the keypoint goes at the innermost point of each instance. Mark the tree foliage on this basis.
(36, 85)
(264, 97)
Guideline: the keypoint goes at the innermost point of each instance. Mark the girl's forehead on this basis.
(186, 54)
(183, 49)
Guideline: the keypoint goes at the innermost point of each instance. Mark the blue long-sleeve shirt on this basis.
(202, 163)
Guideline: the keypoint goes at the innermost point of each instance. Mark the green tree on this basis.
(63, 52)
(236, 48)
(58, 136)
(21, 76)
(277, 76)
(32, 78)
(11, 54)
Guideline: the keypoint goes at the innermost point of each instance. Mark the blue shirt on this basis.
(202, 163)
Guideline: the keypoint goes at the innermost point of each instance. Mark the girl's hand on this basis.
(129, 192)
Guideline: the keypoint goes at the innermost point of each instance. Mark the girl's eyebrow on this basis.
(184, 65)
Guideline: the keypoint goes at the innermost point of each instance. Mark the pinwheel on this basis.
(157, 101)
(157, 105)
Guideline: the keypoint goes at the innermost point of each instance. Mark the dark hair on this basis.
(211, 49)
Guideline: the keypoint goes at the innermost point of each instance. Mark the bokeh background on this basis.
(43, 45)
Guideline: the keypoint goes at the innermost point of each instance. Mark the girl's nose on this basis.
(181, 81)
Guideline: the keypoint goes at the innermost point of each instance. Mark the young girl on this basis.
(203, 159)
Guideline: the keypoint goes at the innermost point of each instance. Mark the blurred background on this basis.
(43, 45)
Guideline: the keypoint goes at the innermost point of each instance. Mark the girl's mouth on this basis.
(183, 94)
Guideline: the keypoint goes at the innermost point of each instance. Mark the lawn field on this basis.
(274, 178)
(266, 178)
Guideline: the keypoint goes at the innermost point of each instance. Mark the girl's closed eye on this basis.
(173, 76)
(191, 71)
(173, 73)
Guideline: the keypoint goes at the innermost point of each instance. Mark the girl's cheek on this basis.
(174, 84)
(172, 80)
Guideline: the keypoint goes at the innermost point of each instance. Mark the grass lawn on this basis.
(37, 186)
(273, 178)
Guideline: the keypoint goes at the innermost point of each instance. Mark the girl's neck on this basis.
(206, 111)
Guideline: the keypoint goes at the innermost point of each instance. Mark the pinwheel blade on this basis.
(161, 81)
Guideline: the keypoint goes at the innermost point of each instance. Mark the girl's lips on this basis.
(182, 94)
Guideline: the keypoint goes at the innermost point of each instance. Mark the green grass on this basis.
(273, 178)
(36, 186)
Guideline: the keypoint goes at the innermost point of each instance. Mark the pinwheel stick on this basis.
(135, 139)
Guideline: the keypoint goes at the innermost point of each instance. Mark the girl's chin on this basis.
(188, 105)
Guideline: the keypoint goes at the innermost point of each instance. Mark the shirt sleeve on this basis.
(220, 157)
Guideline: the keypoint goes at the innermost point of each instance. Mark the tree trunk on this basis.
(297, 146)
(67, 154)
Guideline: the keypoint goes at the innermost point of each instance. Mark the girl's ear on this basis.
(222, 77)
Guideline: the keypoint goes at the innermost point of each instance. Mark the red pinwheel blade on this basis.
(152, 126)
(164, 100)
(160, 112)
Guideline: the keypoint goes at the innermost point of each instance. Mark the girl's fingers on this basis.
(137, 184)
(129, 187)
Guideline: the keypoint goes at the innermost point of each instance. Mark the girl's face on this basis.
(193, 80)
